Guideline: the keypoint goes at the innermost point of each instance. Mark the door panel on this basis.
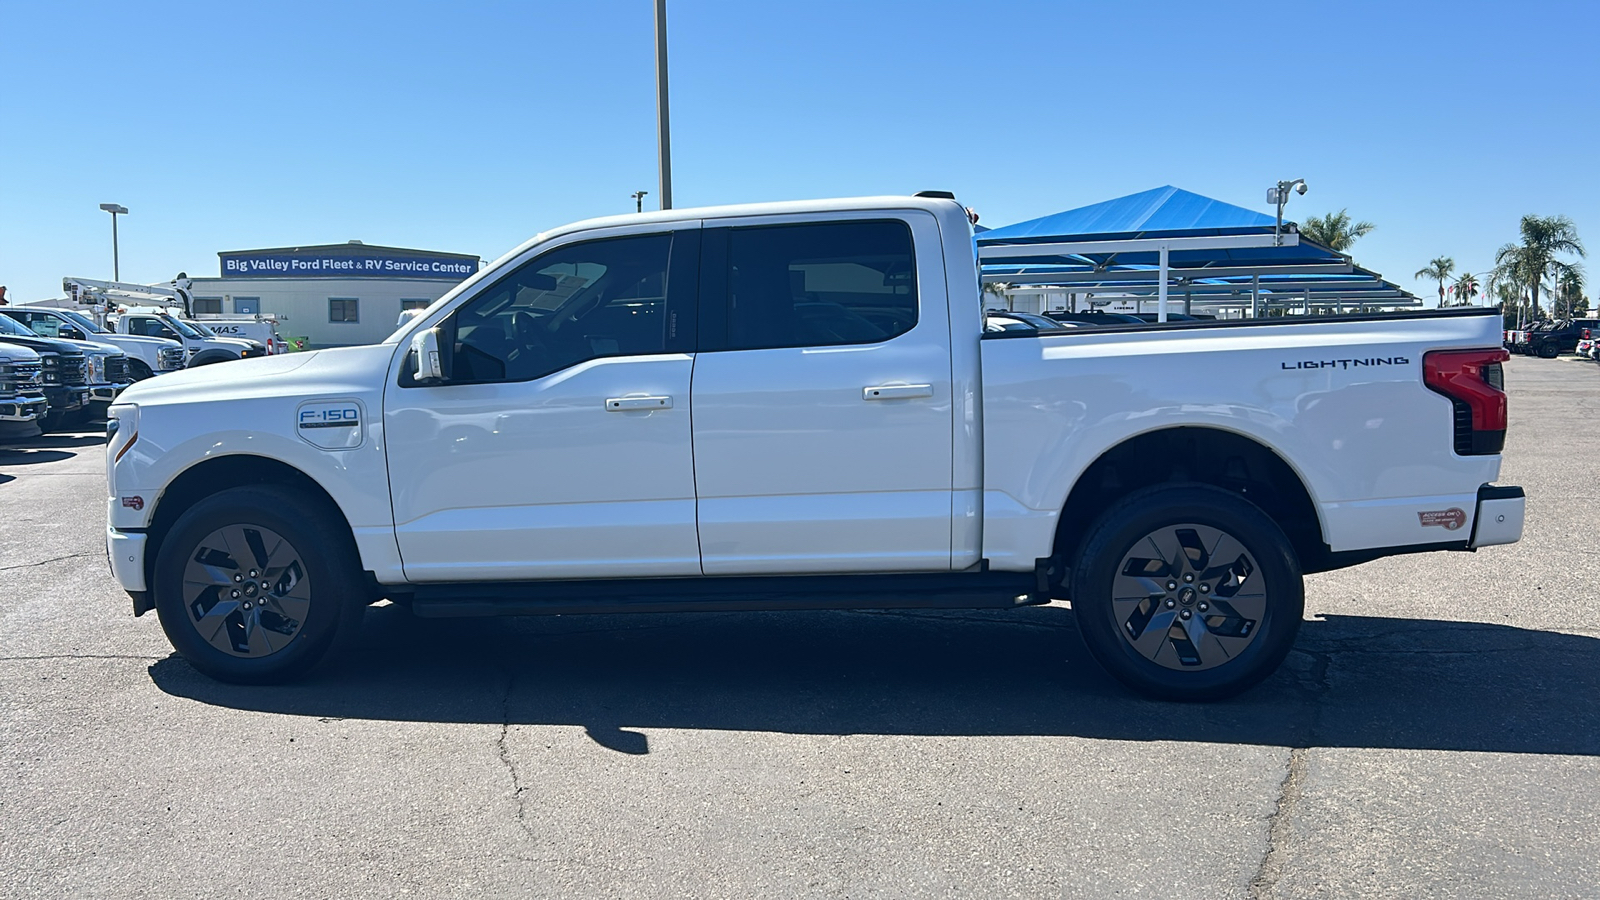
(539, 480)
(561, 445)
(823, 458)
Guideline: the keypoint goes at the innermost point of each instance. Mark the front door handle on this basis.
(896, 391)
(623, 404)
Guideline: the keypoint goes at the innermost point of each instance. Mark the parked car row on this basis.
(1548, 340)
(1589, 344)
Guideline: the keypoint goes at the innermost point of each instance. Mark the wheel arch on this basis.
(216, 474)
(208, 357)
(1231, 460)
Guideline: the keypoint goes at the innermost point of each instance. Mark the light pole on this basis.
(638, 200)
(663, 131)
(115, 210)
(1280, 196)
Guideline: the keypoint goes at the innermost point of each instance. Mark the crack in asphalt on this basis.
(46, 561)
(1281, 828)
(504, 751)
(1313, 686)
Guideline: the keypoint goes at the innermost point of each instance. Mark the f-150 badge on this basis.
(330, 424)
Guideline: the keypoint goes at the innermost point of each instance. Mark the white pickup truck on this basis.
(203, 349)
(147, 356)
(791, 406)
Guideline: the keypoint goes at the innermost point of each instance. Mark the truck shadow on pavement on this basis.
(1351, 682)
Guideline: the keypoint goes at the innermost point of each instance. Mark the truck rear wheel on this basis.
(255, 584)
(1188, 592)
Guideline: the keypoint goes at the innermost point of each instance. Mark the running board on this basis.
(987, 590)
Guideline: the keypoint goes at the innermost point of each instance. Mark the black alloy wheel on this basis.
(1188, 592)
(256, 584)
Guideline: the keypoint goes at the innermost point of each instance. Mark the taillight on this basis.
(1475, 384)
(1586, 334)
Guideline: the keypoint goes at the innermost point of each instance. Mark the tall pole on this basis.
(116, 262)
(1161, 310)
(663, 130)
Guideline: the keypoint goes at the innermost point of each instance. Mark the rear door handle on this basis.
(623, 404)
(896, 391)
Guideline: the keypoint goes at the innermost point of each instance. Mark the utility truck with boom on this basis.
(153, 320)
(798, 406)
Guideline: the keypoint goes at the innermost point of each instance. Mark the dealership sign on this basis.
(319, 263)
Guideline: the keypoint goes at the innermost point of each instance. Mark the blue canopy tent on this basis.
(1148, 243)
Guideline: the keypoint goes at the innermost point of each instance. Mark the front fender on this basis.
(207, 357)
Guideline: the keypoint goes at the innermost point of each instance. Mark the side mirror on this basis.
(425, 349)
(73, 334)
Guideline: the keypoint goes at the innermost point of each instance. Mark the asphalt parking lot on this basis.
(1435, 734)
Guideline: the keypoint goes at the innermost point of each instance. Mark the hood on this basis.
(96, 347)
(126, 339)
(42, 344)
(16, 353)
(344, 369)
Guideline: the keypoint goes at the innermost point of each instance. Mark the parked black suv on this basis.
(1555, 338)
(64, 369)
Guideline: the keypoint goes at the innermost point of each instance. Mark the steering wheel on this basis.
(526, 331)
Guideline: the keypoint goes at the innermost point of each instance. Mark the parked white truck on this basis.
(792, 406)
(147, 356)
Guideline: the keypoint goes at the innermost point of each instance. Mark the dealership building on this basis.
(333, 295)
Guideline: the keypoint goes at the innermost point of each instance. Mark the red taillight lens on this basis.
(1586, 334)
(1475, 384)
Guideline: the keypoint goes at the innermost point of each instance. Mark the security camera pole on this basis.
(1280, 196)
(116, 264)
(662, 128)
(638, 200)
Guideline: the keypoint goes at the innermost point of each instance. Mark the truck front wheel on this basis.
(1188, 592)
(255, 584)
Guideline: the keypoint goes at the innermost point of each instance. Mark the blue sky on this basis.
(469, 127)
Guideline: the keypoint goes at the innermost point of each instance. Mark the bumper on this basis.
(66, 398)
(105, 393)
(1500, 515)
(23, 409)
(126, 552)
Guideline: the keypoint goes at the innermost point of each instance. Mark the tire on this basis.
(1549, 351)
(314, 601)
(138, 370)
(1234, 636)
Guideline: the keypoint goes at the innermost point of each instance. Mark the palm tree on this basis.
(1543, 238)
(1334, 230)
(1466, 288)
(998, 288)
(1438, 269)
(1569, 293)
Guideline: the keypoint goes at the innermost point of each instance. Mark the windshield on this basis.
(181, 327)
(9, 325)
(84, 322)
(201, 327)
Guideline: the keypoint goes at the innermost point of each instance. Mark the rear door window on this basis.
(814, 285)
